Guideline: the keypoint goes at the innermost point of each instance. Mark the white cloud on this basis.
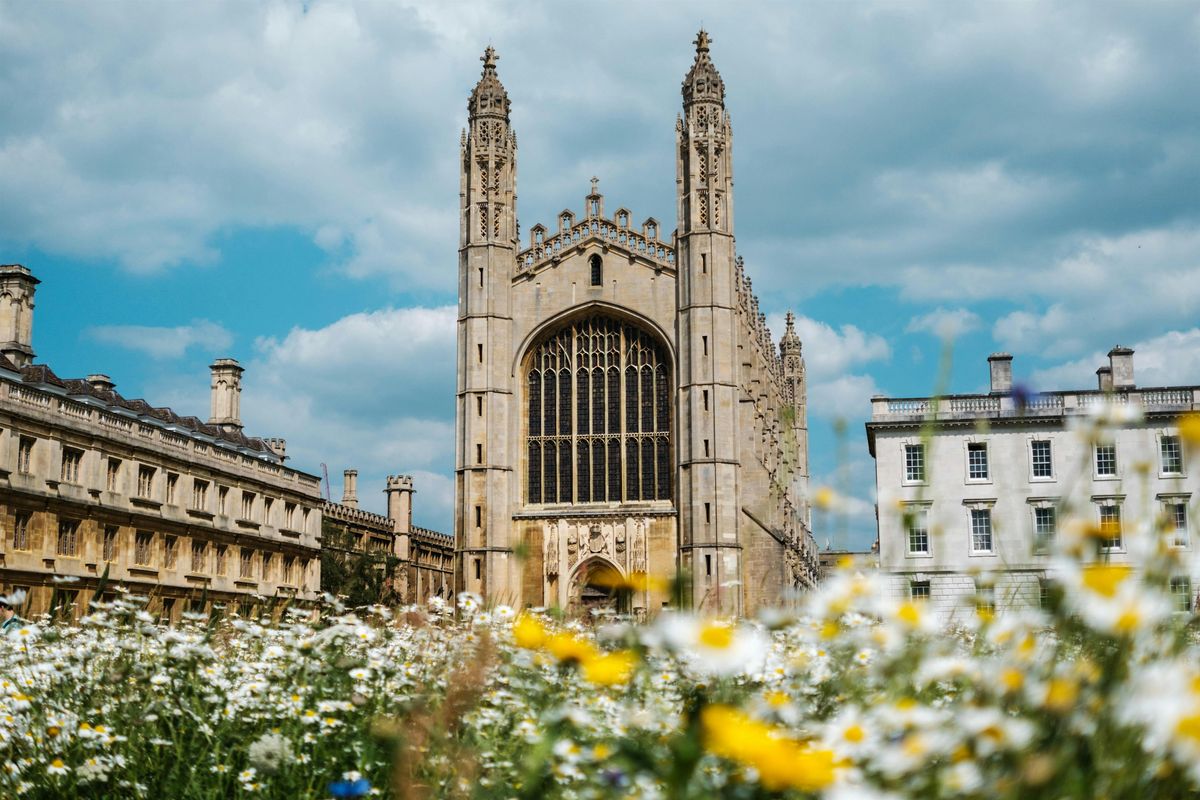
(1170, 359)
(371, 391)
(163, 342)
(945, 323)
(1108, 288)
(830, 351)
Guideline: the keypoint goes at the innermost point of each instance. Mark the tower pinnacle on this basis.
(703, 83)
(489, 99)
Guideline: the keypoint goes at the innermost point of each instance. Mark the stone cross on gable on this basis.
(595, 184)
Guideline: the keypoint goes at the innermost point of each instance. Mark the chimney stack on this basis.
(278, 446)
(350, 488)
(226, 394)
(101, 382)
(1000, 366)
(1120, 361)
(399, 501)
(17, 285)
(1104, 379)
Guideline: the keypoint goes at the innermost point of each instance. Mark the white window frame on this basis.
(925, 584)
(987, 461)
(1162, 466)
(1117, 502)
(1042, 545)
(911, 511)
(1104, 476)
(1033, 476)
(1168, 503)
(904, 479)
(1189, 594)
(972, 507)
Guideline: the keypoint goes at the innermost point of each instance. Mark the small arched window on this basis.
(597, 270)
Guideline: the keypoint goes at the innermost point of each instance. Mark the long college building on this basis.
(971, 487)
(94, 484)
(622, 406)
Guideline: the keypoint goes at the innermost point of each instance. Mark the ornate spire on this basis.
(790, 343)
(703, 83)
(489, 99)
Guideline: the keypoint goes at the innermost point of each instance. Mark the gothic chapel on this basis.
(621, 405)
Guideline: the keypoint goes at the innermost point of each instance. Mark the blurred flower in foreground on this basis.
(1189, 427)
(781, 762)
(352, 784)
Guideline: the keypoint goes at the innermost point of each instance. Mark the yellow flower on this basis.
(1061, 694)
(567, 647)
(529, 632)
(716, 636)
(610, 669)
(1189, 728)
(1189, 427)
(1012, 679)
(824, 498)
(1104, 579)
(782, 763)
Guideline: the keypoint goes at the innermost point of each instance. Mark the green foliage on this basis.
(359, 578)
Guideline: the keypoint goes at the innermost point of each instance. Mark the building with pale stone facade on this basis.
(970, 487)
(621, 405)
(424, 558)
(98, 488)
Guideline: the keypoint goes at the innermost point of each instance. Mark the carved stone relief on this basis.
(551, 534)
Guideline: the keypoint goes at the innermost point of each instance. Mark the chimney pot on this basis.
(226, 393)
(16, 313)
(1120, 361)
(101, 382)
(1000, 368)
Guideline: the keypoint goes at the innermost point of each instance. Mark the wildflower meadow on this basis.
(846, 693)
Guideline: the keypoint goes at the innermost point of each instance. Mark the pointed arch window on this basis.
(598, 425)
(597, 268)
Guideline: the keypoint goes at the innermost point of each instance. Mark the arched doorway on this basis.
(595, 587)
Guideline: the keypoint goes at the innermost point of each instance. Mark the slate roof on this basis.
(42, 375)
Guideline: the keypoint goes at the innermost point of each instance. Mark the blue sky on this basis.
(278, 183)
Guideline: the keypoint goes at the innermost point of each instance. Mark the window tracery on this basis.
(598, 415)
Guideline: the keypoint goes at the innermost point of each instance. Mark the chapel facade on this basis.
(621, 405)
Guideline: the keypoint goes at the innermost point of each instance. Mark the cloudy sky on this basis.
(277, 182)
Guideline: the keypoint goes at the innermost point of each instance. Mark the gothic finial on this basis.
(791, 322)
(489, 59)
(703, 82)
(595, 185)
(489, 97)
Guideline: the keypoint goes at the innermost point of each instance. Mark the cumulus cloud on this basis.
(163, 342)
(1170, 359)
(946, 323)
(946, 150)
(372, 391)
(1109, 288)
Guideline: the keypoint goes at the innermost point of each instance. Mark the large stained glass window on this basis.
(599, 422)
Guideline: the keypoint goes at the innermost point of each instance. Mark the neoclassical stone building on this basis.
(103, 490)
(621, 405)
(972, 487)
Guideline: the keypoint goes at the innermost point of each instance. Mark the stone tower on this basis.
(484, 455)
(707, 328)
(17, 287)
(226, 394)
(796, 395)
